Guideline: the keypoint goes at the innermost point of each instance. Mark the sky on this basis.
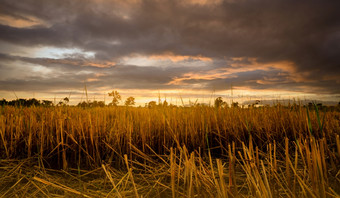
(176, 49)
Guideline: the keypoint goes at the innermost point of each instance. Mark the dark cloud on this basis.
(75, 73)
(305, 33)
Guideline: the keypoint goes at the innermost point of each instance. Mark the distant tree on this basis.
(152, 104)
(66, 100)
(255, 103)
(234, 104)
(116, 98)
(219, 102)
(98, 104)
(3, 102)
(26, 102)
(130, 101)
(82, 104)
(91, 104)
(47, 103)
(31, 102)
(165, 103)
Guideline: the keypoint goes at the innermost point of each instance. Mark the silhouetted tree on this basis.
(234, 104)
(152, 104)
(116, 98)
(82, 104)
(3, 102)
(66, 100)
(130, 101)
(47, 103)
(91, 104)
(219, 102)
(98, 104)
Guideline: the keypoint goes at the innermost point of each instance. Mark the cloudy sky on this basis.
(194, 49)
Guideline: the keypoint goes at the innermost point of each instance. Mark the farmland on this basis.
(197, 151)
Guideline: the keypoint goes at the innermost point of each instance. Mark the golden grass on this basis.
(169, 152)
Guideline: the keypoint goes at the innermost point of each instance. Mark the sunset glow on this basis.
(191, 50)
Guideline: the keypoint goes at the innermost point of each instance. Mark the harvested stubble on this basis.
(170, 152)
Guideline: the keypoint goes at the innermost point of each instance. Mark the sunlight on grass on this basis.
(169, 151)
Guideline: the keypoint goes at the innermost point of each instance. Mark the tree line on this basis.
(130, 101)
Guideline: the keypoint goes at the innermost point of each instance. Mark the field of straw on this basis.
(169, 152)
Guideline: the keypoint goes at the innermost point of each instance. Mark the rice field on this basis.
(198, 151)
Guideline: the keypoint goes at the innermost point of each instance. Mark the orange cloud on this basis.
(203, 2)
(96, 77)
(270, 81)
(92, 79)
(243, 64)
(28, 21)
(206, 75)
(102, 64)
(176, 58)
(250, 64)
